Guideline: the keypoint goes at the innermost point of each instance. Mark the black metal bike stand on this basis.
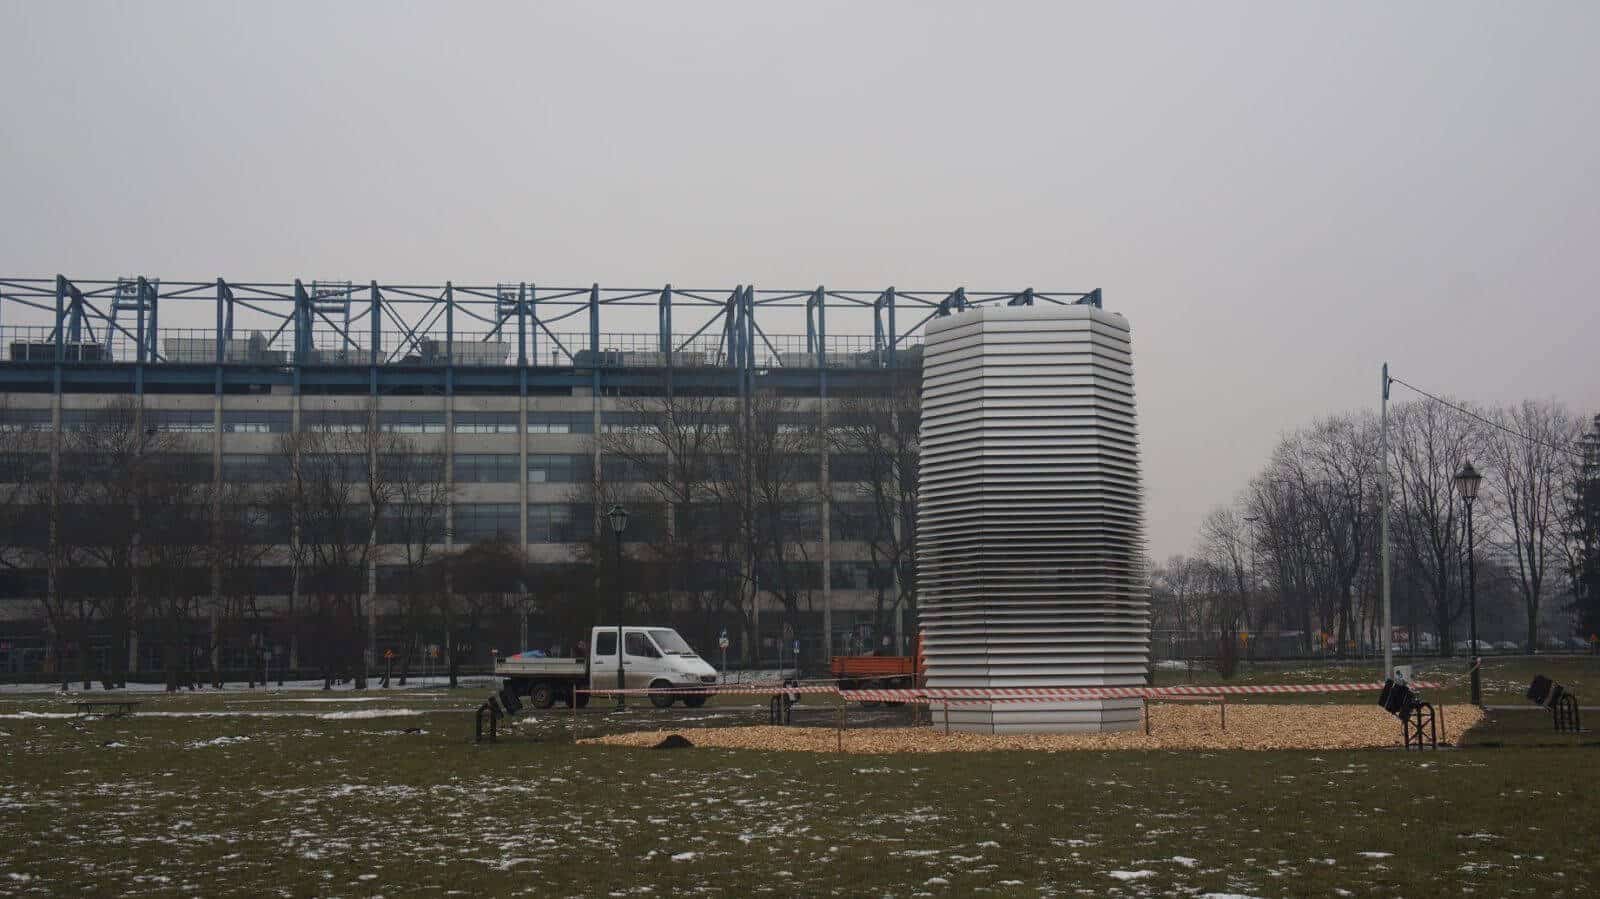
(1564, 709)
(1418, 726)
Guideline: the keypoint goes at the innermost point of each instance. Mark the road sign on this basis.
(388, 653)
(722, 641)
(797, 647)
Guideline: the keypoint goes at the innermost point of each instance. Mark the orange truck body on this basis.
(873, 666)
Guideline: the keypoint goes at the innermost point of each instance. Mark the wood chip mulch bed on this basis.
(1173, 726)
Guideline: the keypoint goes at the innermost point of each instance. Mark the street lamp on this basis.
(1467, 481)
(619, 520)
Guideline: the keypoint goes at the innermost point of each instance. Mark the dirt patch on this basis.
(1172, 726)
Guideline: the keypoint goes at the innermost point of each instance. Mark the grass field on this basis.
(309, 794)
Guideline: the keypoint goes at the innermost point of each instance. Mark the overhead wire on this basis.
(1572, 450)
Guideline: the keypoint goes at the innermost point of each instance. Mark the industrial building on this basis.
(513, 383)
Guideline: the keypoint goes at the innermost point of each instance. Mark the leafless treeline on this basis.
(732, 497)
(1296, 553)
(112, 525)
(116, 527)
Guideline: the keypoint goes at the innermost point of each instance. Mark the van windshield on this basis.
(670, 642)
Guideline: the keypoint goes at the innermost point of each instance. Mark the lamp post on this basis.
(1467, 481)
(619, 520)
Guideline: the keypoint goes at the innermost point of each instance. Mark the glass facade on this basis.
(485, 521)
(486, 468)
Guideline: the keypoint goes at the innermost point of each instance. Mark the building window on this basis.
(334, 468)
(854, 521)
(560, 522)
(647, 523)
(560, 422)
(795, 521)
(412, 468)
(797, 422)
(104, 417)
(628, 422)
(486, 468)
(850, 467)
(24, 419)
(191, 420)
(486, 423)
(254, 468)
(343, 421)
(413, 524)
(861, 576)
(647, 468)
(255, 421)
(485, 521)
(410, 421)
(23, 468)
(789, 576)
(546, 468)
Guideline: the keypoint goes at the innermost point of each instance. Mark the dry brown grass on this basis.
(1173, 726)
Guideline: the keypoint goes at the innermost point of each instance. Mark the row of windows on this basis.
(274, 580)
(265, 421)
(469, 468)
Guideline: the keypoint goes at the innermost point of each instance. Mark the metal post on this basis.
(622, 699)
(1383, 524)
(1472, 605)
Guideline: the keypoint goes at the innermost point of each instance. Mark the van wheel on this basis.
(694, 702)
(542, 696)
(662, 700)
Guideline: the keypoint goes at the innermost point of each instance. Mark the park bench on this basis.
(111, 708)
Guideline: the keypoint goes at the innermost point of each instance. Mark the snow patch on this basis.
(683, 856)
(216, 741)
(369, 713)
(1130, 875)
(1186, 861)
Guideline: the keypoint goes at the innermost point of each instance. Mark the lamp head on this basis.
(619, 518)
(1467, 481)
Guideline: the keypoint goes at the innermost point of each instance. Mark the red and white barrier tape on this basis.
(1003, 694)
(712, 689)
(1077, 694)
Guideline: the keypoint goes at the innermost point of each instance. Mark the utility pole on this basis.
(1383, 524)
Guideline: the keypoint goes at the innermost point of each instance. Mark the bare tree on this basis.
(245, 534)
(770, 500)
(882, 431)
(1428, 445)
(414, 524)
(1529, 470)
(120, 485)
(671, 456)
(334, 497)
(1225, 549)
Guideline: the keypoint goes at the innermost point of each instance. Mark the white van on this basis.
(652, 657)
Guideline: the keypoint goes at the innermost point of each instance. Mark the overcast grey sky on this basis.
(1278, 195)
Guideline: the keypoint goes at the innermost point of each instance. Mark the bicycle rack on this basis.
(493, 711)
(1419, 724)
(1562, 703)
(1564, 709)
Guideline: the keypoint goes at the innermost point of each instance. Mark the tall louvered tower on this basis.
(1029, 529)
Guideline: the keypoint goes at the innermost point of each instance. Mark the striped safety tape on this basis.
(1063, 694)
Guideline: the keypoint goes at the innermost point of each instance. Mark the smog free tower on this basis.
(1029, 529)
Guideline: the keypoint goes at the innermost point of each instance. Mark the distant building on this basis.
(514, 384)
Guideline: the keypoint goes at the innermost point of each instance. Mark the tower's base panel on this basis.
(1083, 717)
